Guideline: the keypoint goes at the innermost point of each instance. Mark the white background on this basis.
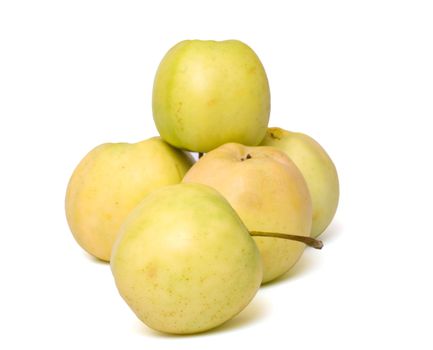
(355, 75)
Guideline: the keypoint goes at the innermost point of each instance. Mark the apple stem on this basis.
(200, 154)
(310, 241)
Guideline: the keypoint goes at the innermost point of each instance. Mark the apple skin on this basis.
(317, 168)
(184, 262)
(267, 191)
(110, 181)
(207, 93)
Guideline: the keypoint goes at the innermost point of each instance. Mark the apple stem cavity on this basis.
(247, 157)
(310, 241)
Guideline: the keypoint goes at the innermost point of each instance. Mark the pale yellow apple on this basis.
(110, 181)
(207, 93)
(184, 262)
(267, 191)
(317, 168)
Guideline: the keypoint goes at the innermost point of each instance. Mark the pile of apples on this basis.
(190, 243)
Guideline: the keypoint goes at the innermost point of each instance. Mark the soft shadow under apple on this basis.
(307, 261)
(254, 312)
(305, 264)
(331, 233)
(95, 260)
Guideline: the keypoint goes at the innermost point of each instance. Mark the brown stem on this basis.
(310, 241)
(200, 154)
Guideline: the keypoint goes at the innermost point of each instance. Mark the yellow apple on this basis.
(318, 169)
(110, 181)
(207, 93)
(267, 191)
(184, 262)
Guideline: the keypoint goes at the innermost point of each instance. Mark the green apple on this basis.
(207, 93)
(110, 181)
(318, 170)
(184, 262)
(267, 191)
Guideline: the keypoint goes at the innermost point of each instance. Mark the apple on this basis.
(110, 181)
(184, 262)
(267, 191)
(207, 93)
(317, 168)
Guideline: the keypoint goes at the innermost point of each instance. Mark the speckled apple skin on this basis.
(317, 168)
(110, 181)
(184, 262)
(267, 191)
(207, 93)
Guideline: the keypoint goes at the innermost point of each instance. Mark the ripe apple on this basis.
(318, 169)
(267, 191)
(110, 181)
(184, 262)
(207, 93)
